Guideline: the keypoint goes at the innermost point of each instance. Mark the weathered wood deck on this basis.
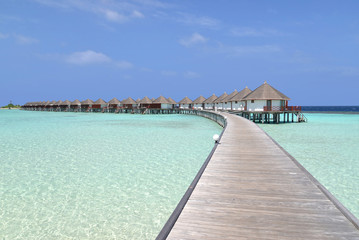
(251, 189)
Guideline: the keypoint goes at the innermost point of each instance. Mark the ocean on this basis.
(328, 147)
(96, 176)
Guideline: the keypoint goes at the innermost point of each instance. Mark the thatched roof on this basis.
(66, 102)
(185, 100)
(128, 101)
(266, 92)
(153, 99)
(76, 102)
(58, 102)
(87, 102)
(145, 100)
(52, 102)
(239, 96)
(171, 100)
(220, 98)
(47, 103)
(161, 99)
(100, 101)
(199, 100)
(226, 99)
(211, 99)
(114, 101)
(138, 100)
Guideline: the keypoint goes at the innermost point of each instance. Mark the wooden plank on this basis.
(252, 189)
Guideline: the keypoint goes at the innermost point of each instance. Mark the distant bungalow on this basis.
(99, 106)
(226, 104)
(264, 104)
(75, 106)
(219, 101)
(161, 103)
(65, 106)
(128, 103)
(237, 102)
(86, 105)
(145, 102)
(209, 102)
(265, 98)
(185, 103)
(172, 102)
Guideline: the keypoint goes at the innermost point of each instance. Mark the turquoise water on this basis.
(96, 176)
(328, 147)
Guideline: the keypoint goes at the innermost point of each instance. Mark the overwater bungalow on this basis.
(86, 105)
(161, 103)
(265, 98)
(65, 106)
(113, 105)
(145, 102)
(198, 103)
(75, 106)
(237, 102)
(209, 102)
(99, 106)
(46, 106)
(226, 104)
(219, 101)
(51, 106)
(57, 106)
(128, 103)
(172, 102)
(185, 103)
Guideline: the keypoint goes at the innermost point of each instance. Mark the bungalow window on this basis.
(252, 101)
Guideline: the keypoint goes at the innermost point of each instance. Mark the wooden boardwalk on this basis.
(251, 189)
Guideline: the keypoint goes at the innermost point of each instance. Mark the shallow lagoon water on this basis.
(96, 176)
(328, 147)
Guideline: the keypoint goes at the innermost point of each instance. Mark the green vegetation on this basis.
(11, 106)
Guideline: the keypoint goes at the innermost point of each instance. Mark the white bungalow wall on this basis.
(208, 106)
(227, 106)
(166, 106)
(239, 105)
(197, 106)
(218, 105)
(184, 106)
(258, 105)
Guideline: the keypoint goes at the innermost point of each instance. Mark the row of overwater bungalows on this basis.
(263, 98)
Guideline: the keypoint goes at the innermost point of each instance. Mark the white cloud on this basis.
(191, 75)
(20, 39)
(199, 21)
(3, 36)
(196, 38)
(137, 14)
(252, 32)
(124, 65)
(87, 57)
(168, 73)
(111, 10)
(114, 16)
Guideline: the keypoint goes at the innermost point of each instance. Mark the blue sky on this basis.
(78, 49)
